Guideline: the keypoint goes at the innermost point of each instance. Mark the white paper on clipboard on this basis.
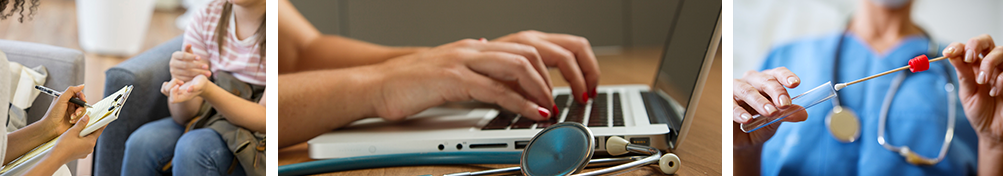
(101, 114)
(106, 110)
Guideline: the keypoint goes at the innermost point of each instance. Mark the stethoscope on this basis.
(566, 148)
(562, 149)
(844, 125)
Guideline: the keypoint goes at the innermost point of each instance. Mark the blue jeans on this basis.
(198, 152)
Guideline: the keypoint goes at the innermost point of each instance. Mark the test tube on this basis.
(798, 103)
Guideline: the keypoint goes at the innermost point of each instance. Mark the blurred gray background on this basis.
(761, 25)
(609, 25)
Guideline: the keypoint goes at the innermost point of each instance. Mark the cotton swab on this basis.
(916, 64)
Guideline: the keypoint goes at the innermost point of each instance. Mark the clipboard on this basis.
(101, 114)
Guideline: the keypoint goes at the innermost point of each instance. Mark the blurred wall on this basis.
(762, 24)
(434, 22)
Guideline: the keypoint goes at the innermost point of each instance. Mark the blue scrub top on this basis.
(917, 117)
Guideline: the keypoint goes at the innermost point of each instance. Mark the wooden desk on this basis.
(700, 152)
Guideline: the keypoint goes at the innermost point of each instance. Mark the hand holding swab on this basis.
(917, 64)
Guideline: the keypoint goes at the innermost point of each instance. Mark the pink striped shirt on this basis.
(239, 57)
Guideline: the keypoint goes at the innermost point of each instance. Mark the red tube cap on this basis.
(919, 63)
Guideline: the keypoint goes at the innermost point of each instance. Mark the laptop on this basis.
(657, 115)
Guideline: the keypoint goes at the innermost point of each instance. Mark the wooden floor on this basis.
(55, 23)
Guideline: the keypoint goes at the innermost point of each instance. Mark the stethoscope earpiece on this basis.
(669, 163)
(616, 146)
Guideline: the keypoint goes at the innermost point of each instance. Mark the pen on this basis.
(55, 93)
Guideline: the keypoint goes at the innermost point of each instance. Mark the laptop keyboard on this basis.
(598, 115)
(598, 110)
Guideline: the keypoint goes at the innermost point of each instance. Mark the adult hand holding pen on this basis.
(62, 114)
(69, 145)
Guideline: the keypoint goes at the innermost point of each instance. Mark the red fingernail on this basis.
(585, 96)
(543, 112)
(594, 93)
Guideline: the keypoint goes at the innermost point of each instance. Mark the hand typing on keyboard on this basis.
(509, 71)
(571, 54)
(508, 74)
(366, 80)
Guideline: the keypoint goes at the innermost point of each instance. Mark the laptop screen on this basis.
(686, 50)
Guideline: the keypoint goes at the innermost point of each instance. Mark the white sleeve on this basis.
(4, 102)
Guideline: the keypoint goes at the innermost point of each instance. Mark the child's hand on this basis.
(167, 86)
(185, 65)
(188, 90)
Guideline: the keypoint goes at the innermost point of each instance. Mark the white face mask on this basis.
(893, 4)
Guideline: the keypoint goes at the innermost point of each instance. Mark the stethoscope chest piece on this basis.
(561, 149)
(844, 125)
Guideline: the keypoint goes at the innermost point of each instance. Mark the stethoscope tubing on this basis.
(511, 170)
(951, 120)
(450, 158)
(408, 159)
(655, 156)
(890, 96)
